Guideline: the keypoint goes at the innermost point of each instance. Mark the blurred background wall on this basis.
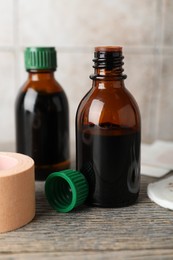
(74, 27)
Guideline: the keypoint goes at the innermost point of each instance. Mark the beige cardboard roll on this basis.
(17, 190)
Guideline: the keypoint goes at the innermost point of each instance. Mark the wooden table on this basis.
(142, 231)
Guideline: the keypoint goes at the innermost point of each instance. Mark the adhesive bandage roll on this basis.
(17, 191)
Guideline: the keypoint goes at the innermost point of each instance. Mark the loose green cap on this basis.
(66, 190)
(37, 58)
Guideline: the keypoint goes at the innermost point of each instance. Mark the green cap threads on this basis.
(40, 58)
(66, 190)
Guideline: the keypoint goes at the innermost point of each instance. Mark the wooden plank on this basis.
(144, 230)
(95, 255)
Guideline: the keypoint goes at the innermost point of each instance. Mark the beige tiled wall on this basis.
(74, 27)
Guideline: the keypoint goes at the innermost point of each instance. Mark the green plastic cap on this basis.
(66, 190)
(40, 58)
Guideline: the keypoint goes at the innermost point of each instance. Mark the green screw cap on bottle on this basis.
(40, 58)
(66, 190)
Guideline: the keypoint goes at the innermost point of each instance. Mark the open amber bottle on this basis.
(42, 114)
(108, 134)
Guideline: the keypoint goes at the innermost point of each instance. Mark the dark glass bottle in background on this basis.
(42, 115)
(108, 134)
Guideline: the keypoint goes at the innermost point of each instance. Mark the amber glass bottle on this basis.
(41, 110)
(108, 131)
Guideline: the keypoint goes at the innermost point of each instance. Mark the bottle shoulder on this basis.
(45, 86)
(115, 98)
(116, 106)
(32, 98)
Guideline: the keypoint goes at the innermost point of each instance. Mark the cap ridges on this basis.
(40, 58)
(66, 190)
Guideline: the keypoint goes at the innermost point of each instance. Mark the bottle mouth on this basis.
(108, 48)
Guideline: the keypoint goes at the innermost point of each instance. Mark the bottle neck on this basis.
(108, 65)
(108, 74)
(109, 83)
(37, 75)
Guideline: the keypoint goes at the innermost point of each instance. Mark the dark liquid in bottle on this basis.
(109, 157)
(42, 130)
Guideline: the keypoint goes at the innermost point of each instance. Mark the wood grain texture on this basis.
(141, 231)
